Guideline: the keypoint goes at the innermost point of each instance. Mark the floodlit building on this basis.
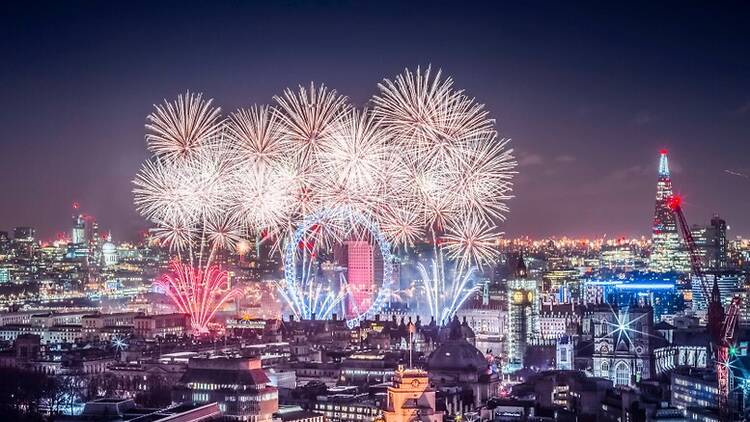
(360, 275)
(523, 315)
(411, 399)
(623, 349)
(163, 325)
(238, 384)
(109, 252)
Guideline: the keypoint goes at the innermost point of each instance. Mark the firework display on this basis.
(195, 292)
(423, 162)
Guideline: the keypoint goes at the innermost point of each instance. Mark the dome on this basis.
(109, 251)
(457, 354)
(109, 248)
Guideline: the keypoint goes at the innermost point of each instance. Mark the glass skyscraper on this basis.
(667, 252)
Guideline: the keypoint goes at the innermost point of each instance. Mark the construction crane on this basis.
(721, 327)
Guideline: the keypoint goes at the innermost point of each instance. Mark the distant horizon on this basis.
(510, 234)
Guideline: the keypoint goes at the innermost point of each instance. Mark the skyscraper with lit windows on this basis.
(360, 274)
(667, 252)
(78, 234)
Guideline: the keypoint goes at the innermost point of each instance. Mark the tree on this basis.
(21, 394)
(158, 392)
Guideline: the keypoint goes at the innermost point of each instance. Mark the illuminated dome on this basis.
(109, 251)
(456, 353)
(108, 248)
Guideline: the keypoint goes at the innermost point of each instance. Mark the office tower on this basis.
(667, 252)
(24, 234)
(4, 242)
(717, 237)
(711, 243)
(78, 234)
(360, 274)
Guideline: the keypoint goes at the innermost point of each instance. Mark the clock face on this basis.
(415, 383)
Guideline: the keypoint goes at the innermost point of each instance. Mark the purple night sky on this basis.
(588, 93)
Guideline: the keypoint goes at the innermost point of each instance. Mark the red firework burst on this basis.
(198, 293)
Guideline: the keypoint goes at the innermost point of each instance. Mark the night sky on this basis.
(588, 93)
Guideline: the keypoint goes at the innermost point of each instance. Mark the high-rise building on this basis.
(717, 235)
(667, 252)
(24, 234)
(4, 242)
(24, 242)
(729, 283)
(360, 274)
(711, 243)
(78, 234)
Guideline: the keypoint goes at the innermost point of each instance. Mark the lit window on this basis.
(622, 374)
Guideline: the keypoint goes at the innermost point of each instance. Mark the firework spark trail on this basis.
(426, 159)
(445, 293)
(197, 292)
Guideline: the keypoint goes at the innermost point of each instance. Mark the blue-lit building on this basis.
(661, 290)
(694, 388)
(729, 282)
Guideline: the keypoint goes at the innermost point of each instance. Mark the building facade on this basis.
(411, 398)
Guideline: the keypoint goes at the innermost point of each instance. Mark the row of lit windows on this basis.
(345, 416)
(690, 401)
(696, 386)
(349, 409)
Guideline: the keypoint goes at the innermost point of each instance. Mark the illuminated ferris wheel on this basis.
(358, 290)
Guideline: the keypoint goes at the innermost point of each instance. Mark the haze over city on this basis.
(589, 95)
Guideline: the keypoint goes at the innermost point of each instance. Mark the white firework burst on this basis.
(256, 135)
(176, 130)
(307, 117)
(263, 197)
(415, 107)
(472, 242)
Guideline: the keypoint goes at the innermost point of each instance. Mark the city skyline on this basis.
(374, 211)
(74, 117)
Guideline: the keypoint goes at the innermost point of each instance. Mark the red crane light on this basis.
(674, 202)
